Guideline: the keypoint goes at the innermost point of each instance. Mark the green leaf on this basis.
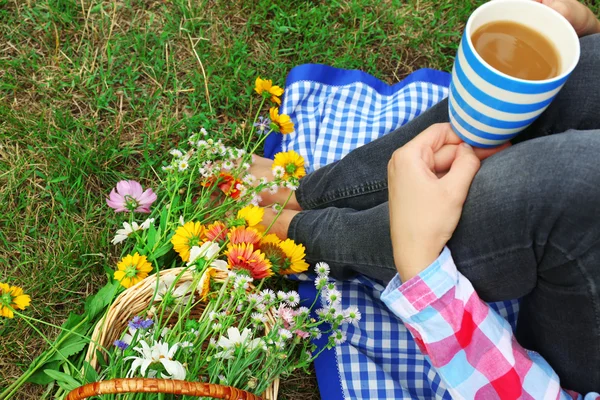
(100, 357)
(67, 382)
(70, 346)
(161, 251)
(90, 373)
(98, 302)
(40, 377)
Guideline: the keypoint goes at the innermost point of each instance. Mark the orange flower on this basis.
(282, 123)
(242, 234)
(227, 183)
(265, 88)
(243, 257)
(216, 232)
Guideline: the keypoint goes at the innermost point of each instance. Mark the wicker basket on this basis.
(134, 301)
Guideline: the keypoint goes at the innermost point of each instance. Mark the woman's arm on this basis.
(468, 343)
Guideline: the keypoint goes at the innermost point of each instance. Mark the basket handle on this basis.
(148, 385)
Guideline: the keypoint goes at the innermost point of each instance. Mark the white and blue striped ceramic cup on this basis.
(488, 107)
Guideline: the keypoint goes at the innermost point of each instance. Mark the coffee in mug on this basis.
(517, 50)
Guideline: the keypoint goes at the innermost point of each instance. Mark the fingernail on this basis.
(467, 145)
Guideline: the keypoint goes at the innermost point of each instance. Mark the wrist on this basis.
(411, 263)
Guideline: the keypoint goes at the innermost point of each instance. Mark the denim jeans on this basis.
(530, 227)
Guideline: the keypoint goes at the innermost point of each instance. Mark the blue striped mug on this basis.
(487, 107)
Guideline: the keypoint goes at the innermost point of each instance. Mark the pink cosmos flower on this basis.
(129, 196)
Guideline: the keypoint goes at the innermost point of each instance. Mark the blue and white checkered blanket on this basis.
(334, 112)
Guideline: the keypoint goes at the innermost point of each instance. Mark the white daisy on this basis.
(292, 298)
(159, 352)
(182, 165)
(228, 165)
(333, 296)
(268, 295)
(278, 171)
(320, 282)
(176, 153)
(207, 251)
(322, 269)
(338, 336)
(352, 315)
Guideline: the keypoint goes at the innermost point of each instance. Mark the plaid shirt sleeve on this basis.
(470, 345)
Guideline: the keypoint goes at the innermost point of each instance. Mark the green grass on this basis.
(95, 91)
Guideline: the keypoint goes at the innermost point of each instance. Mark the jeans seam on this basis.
(341, 194)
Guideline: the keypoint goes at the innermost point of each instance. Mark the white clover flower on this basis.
(339, 337)
(292, 298)
(203, 131)
(322, 269)
(352, 315)
(176, 153)
(167, 168)
(210, 142)
(201, 144)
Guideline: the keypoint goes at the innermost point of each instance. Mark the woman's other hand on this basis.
(429, 179)
(581, 18)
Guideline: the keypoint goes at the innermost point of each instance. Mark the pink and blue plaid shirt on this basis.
(468, 343)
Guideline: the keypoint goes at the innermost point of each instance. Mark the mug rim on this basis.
(540, 6)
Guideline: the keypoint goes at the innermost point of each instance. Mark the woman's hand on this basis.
(429, 179)
(581, 18)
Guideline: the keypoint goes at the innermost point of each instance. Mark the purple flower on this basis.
(121, 344)
(139, 323)
(129, 196)
(263, 124)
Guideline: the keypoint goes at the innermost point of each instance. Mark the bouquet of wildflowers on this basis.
(202, 257)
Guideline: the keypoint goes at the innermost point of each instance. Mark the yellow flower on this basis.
(186, 237)
(283, 122)
(265, 87)
(270, 238)
(295, 254)
(132, 269)
(292, 164)
(252, 214)
(11, 298)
